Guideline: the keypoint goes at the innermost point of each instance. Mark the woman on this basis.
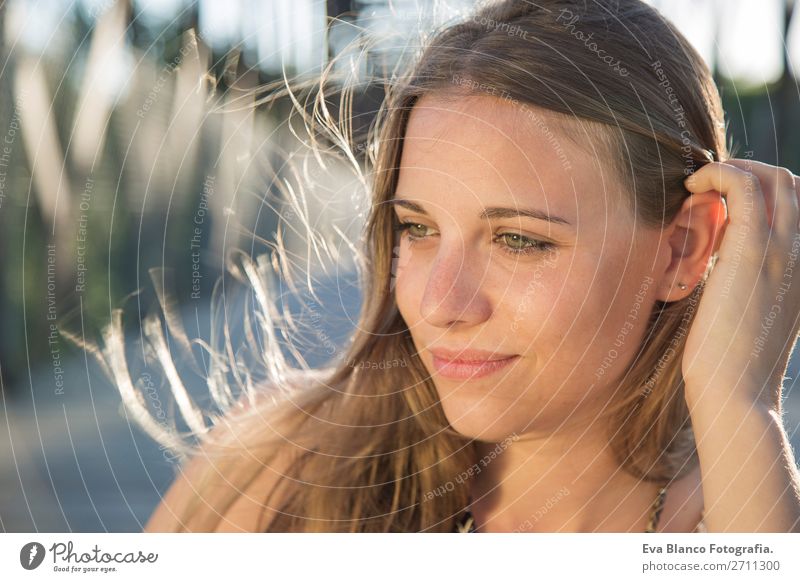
(580, 328)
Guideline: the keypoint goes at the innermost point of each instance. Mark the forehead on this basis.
(486, 149)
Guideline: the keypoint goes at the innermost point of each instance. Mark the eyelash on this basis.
(536, 246)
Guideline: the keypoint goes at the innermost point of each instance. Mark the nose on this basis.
(455, 291)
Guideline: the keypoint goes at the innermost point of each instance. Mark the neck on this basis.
(558, 483)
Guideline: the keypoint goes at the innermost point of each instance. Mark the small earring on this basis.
(682, 286)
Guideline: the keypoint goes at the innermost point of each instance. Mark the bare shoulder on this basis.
(683, 506)
(249, 510)
(213, 482)
(247, 513)
(256, 507)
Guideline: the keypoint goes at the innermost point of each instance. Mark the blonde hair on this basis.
(375, 441)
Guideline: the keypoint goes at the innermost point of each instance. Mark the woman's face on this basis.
(572, 310)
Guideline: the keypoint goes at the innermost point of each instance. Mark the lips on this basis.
(469, 364)
(468, 355)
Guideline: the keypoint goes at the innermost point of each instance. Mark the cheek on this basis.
(608, 329)
(407, 282)
(532, 304)
(555, 311)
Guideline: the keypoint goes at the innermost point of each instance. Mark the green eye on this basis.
(516, 244)
(519, 244)
(408, 226)
(522, 245)
(418, 234)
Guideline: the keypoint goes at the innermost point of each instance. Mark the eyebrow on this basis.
(492, 212)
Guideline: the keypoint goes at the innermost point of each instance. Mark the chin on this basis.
(483, 421)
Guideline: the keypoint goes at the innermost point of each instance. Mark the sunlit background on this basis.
(130, 139)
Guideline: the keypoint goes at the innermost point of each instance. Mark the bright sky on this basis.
(749, 44)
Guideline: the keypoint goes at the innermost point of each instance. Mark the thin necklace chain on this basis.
(467, 524)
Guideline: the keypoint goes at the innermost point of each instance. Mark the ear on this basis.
(692, 237)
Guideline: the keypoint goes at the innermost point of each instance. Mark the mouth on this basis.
(469, 369)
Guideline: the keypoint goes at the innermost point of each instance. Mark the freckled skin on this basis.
(560, 310)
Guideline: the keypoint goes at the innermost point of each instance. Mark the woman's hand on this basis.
(747, 320)
(738, 347)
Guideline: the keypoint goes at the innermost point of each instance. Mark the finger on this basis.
(780, 195)
(743, 197)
